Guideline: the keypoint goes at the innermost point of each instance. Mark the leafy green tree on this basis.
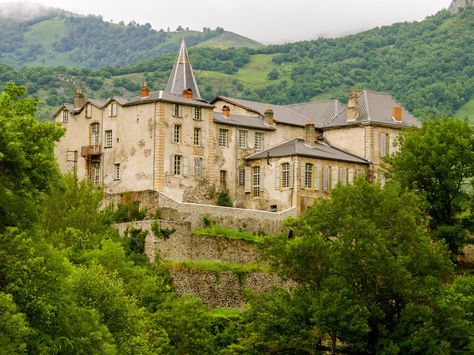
(361, 260)
(13, 326)
(437, 161)
(28, 168)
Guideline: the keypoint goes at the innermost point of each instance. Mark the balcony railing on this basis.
(90, 150)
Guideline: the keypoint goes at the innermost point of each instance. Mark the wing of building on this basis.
(268, 157)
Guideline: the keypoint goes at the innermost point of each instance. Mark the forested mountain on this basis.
(54, 37)
(426, 65)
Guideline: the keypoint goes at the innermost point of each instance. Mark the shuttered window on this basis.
(256, 181)
(285, 175)
(326, 178)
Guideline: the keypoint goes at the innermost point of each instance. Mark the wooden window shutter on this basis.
(334, 177)
(172, 165)
(392, 144)
(185, 166)
(350, 177)
(383, 144)
(292, 175)
(316, 176)
(203, 137)
(277, 177)
(204, 168)
(248, 175)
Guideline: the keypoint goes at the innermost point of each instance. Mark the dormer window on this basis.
(65, 116)
(113, 109)
(89, 110)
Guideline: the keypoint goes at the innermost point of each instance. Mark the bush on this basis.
(223, 199)
(128, 212)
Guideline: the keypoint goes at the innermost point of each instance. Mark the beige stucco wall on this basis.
(77, 135)
(349, 138)
(296, 195)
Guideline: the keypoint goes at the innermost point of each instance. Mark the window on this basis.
(95, 172)
(258, 140)
(256, 181)
(285, 175)
(334, 177)
(343, 176)
(108, 138)
(223, 179)
(89, 110)
(384, 144)
(177, 165)
(197, 114)
(94, 134)
(242, 139)
(177, 133)
(117, 171)
(308, 175)
(113, 109)
(177, 110)
(197, 167)
(326, 178)
(223, 133)
(241, 177)
(65, 116)
(197, 136)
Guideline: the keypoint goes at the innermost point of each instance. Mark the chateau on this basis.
(268, 157)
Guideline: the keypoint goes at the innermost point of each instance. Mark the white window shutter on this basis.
(247, 179)
(316, 177)
(302, 174)
(204, 168)
(277, 177)
(185, 166)
(334, 177)
(383, 144)
(392, 144)
(351, 176)
(203, 137)
(292, 175)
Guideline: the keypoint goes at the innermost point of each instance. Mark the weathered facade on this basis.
(268, 157)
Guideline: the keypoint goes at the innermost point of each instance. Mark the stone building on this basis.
(269, 157)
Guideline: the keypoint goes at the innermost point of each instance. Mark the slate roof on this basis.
(182, 76)
(375, 107)
(242, 121)
(281, 114)
(167, 97)
(320, 112)
(298, 147)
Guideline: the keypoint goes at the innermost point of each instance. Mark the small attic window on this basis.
(113, 109)
(65, 116)
(89, 110)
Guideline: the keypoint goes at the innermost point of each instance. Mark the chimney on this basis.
(268, 116)
(310, 134)
(397, 114)
(145, 91)
(79, 100)
(188, 94)
(226, 111)
(353, 108)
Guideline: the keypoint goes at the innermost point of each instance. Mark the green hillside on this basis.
(61, 38)
(425, 65)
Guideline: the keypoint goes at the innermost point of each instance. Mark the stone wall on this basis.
(224, 289)
(250, 220)
(181, 245)
(254, 221)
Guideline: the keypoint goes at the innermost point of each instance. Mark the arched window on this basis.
(94, 133)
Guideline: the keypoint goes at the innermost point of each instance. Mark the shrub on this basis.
(223, 199)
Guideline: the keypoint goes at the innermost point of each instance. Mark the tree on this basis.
(361, 259)
(437, 161)
(28, 168)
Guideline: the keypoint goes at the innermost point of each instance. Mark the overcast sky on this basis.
(274, 21)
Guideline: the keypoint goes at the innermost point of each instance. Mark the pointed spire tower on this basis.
(182, 77)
